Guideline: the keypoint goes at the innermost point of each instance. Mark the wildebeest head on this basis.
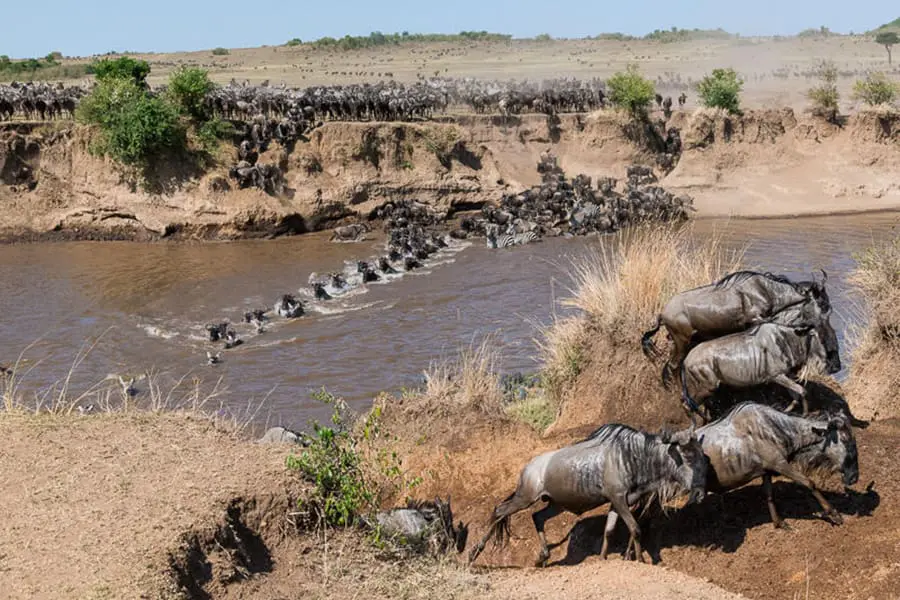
(826, 337)
(815, 290)
(691, 465)
(839, 448)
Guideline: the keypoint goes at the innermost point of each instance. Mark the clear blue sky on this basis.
(83, 27)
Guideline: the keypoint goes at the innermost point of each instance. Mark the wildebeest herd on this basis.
(416, 231)
(746, 329)
(381, 101)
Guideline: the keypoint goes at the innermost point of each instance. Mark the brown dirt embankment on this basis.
(764, 163)
(142, 505)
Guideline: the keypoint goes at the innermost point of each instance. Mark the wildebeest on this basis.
(288, 307)
(755, 440)
(367, 272)
(424, 524)
(217, 331)
(770, 352)
(257, 314)
(320, 292)
(349, 233)
(615, 464)
(734, 303)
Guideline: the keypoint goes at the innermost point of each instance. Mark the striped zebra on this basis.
(510, 239)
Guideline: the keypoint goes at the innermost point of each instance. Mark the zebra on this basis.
(509, 239)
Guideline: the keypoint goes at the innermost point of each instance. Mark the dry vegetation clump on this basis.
(875, 371)
(619, 289)
(466, 384)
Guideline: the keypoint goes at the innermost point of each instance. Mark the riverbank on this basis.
(172, 506)
(765, 163)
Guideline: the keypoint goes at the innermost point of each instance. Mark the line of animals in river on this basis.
(416, 231)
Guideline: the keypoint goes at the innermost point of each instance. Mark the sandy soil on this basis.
(109, 506)
(94, 507)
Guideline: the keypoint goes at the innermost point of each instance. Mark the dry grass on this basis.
(156, 392)
(623, 285)
(619, 289)
(468, 383)
(875, 370)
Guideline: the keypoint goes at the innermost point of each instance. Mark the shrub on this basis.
(333, 464)
(123, 67)
(188, 87)
(220, 51)
(294, 42)
(825, 97)
(210, 132)
(721, 89)
(875, 89)
(134, 127)
(630, 91)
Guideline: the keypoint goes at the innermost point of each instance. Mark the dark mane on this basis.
(610, 430)
(740, 276)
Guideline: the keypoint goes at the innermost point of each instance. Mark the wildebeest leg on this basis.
(540, 518)
(612, 517)
(791, 473)
(798, 390)
(620, 505)
(500, 520)
(776, 518)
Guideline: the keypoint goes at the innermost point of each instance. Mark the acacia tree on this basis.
(887, 39)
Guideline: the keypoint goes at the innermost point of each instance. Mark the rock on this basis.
(276, 435)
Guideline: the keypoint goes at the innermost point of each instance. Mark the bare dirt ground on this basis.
(149, 505)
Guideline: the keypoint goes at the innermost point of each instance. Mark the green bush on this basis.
(875, 89)
(630, 91)
(133, 126)
(721, 89)
(188, 87)
(825, 97)
(294, 42)
(333, 464)
(210, 132)
(123, 67)
(220, 51)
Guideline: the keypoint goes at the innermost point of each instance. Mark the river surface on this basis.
(141, 306)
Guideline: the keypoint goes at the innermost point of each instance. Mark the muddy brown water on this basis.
(145, 306)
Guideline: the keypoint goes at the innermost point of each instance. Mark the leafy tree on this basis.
(825, 97)
(294, 42)
(887, 39)
(133, 126)
(220, 51)
(721, 89)
(875, 89)
(188, 87)
(123, 67)
(630, 91)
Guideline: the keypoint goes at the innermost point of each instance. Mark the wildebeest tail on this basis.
(499, 528)
(647, 345)
(685, 395)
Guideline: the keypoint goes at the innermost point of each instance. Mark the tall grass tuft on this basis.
(621, 286)
(624, 284)
(875, 370)
(469, 382)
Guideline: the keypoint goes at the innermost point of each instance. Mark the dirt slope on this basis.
(764, 163)
(98, 506)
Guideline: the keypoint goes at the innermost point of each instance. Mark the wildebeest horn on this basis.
(824, 276)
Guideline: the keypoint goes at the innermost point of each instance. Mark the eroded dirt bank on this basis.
(764, 163)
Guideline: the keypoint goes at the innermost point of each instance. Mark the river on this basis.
(144, 306)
